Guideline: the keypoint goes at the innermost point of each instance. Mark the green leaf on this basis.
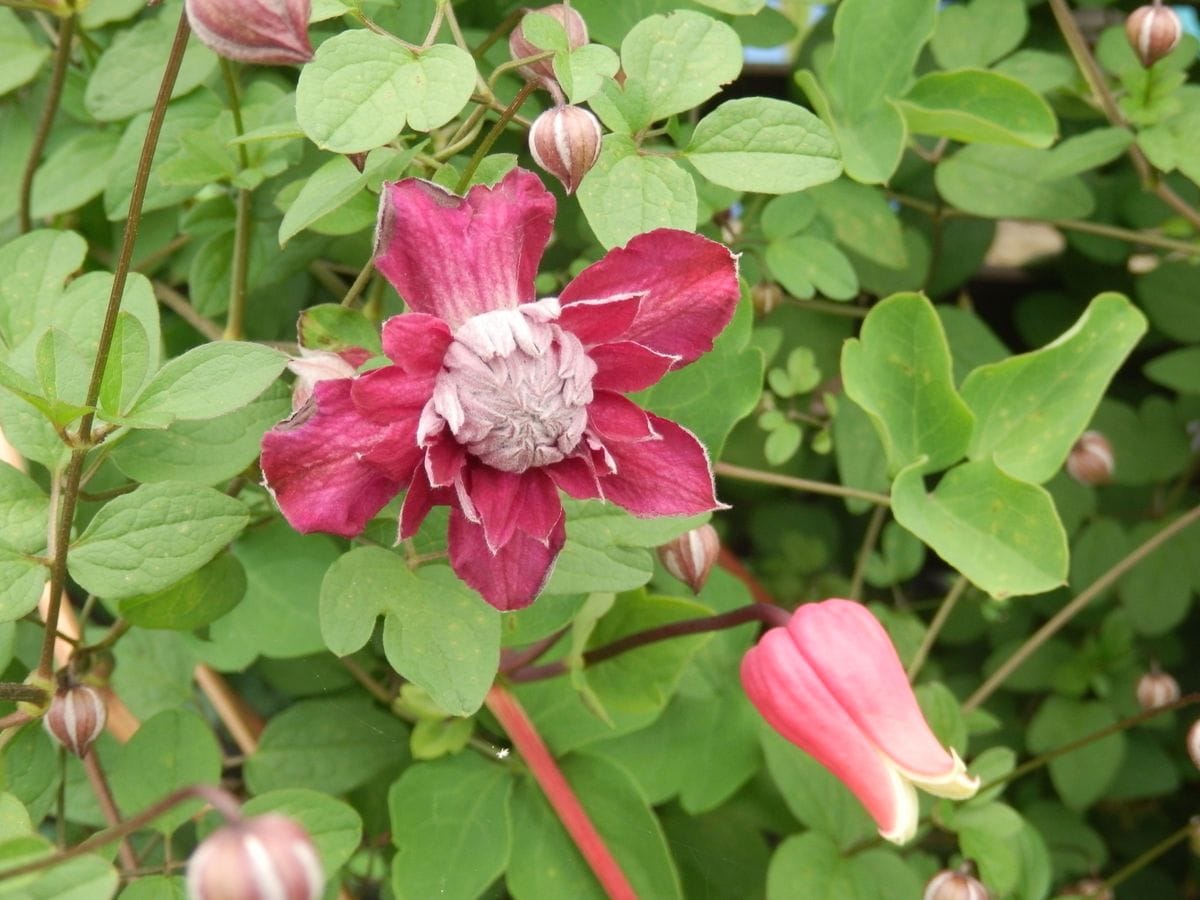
(1012, 857)
(20, 55)
(362, 88)
(790, 214)
(764, 145)
(174, 749)
(82, 878)
(32, 271)
(814, 861)
(875, 48)
(1030, 409)
(545, 862)
(862, 221)
(803, 261)
(581, 72)
(125, 81)
(206, 382)
(978, 33)
(898, 370)
(148, 539)
(1080, 777)
(127, 366)
(437, 633)
(21, 583)
(199, 598)
(338, 182)
(205, 452)
(1002, 534)
(861, 459)
(973, 105)
(329, 745)
(333, 327)
(1178, 370)
(626, 193)
(1083, 152)
(73, 174)
(1158, 591)
(1004, 182)
(680, 60)
(153, 887)
(335, 827)
(24, 512)
(451, 827)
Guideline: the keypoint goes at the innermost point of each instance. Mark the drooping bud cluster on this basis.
(1156, 688)
(1153, 32)
(270, 32)
(956, 884)
(268, 857)
(565, 141)
(690, 557)
(76, 717)
(541, 73)
(1091, 460)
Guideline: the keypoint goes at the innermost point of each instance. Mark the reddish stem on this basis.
(509, 712)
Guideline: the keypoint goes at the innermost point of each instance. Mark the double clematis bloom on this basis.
(831, 683)
(494, 400)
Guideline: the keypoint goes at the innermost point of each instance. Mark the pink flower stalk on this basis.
(831, 683)
(495, 400)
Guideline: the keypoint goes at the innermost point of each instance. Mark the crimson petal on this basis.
(576, 475)
(455, 257)
(416, 342)
(600, 321)
(626, 366)
(667, 477)
(508, 502)
(313, 463)
(511, 577)
(618, 418)
(690, 285)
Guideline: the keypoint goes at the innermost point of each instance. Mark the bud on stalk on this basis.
(76, 717)
(957, 884)
(565, 141)
(541, 73)
(1091, 460)
(1153, 32)
(690, 557)
(1156, 688)
(1193, 743)
(766, 297)
(268, 857)
(271, 32)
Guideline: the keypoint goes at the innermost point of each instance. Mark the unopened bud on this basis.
(1193, 743)
(1153, 32)
(565, 141)
(313, 366)
(1157, 688)
(766, 297)
(268, 857)
(1092, 888)
(541, 73)
(690, 557)
(76, 717)
(957, 884)
(1091, 460)
(273, 32)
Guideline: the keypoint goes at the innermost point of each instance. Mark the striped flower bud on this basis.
(76, 717)
(1091, 460)
(271, 32)
(565, 141)
(541, 73)
(1157, 688)
(268, 857)
(1153, 32)
(955, 884)
(690, 556)
(766, 296)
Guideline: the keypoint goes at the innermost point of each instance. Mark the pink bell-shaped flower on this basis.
(267, 32)
(831, 683)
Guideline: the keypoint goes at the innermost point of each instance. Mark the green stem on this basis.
(874, 526)
(234, 323)
(492, 136)
(1127, 871)
(30, 693)
(935, 627)
(62, 57)
(766, 613)
(74, 468)
(1044, 759)
(827, 306)
(222, 801)
(360, 282)
(729, 470)
(1069, 611)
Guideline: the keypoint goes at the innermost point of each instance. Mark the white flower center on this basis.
(514, 387)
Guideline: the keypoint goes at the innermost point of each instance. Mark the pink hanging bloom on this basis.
(496, 400)
(831, 683)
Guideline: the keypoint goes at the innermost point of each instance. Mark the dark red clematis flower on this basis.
(495, 400)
